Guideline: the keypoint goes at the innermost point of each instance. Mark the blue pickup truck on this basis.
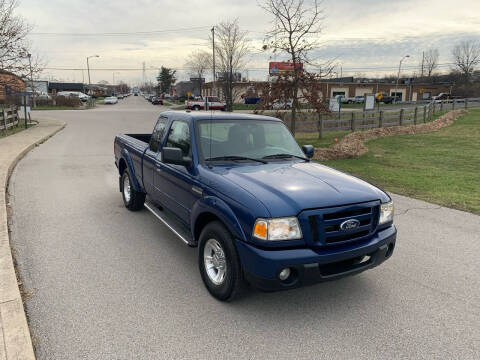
(241, 189)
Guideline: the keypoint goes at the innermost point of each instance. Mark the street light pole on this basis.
(31, 79)
(398, 76)
(113, 84)
(213, 60)
(88, 70)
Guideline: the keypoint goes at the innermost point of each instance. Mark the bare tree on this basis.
(430, 62)
(296, 26)
(15, 54)
(197, 64)
(466, 57)
(231, 50)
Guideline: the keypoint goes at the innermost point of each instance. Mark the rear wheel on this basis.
(218, 262)
(196, 108)
(132, 199)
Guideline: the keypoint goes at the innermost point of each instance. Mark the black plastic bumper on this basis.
(312, 273)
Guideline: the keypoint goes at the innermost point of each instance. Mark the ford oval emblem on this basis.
(349, 224)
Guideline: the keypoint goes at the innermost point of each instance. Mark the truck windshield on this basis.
(228, 140)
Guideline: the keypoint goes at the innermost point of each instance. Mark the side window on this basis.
(157, 134)
(179, 137)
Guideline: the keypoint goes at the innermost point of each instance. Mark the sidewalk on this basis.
(15, 342)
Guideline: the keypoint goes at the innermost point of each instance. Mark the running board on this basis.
(173, 224)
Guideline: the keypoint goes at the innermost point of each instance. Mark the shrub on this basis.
(69, 101)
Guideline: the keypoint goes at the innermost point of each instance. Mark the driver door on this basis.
(151, 155)
(176, 181)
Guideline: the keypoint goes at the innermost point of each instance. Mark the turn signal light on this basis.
(260, 230)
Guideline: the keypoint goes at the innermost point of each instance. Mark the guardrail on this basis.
(361, 120)
(8, 117)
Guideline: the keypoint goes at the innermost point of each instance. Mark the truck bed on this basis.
(135, 145)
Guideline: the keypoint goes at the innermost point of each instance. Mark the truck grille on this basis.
(325, 223)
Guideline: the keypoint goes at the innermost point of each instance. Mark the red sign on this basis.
(281, 67)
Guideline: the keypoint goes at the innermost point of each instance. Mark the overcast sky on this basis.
(366, 36)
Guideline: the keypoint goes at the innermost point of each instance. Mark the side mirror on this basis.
(308, 150)
(171, 155)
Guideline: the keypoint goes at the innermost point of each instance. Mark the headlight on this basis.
(277, 229)
(386, 213)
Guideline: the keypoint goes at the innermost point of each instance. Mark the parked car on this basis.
(359, 99)
(156, 100)
(241, 189)
(110, 100)
(83, 97)
(210, 103)
(346, 100)
(286, 105)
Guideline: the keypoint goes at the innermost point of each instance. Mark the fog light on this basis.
(284, 274)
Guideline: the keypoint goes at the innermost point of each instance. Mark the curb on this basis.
(15, 340)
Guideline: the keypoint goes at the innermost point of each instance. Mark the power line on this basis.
(152, 32)
(153, 68)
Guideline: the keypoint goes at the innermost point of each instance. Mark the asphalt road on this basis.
(111, 284)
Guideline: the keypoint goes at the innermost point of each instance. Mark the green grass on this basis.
(51, 107)
(442, 167)
(178, 107)
(16, 129)
(328, 138)
(245, 106)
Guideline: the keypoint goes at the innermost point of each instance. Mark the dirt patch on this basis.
(353, 145)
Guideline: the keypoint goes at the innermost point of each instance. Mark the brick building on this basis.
(10, 84)
(406, 92)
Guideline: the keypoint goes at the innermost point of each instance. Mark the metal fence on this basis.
(8, 117)
(360, 120)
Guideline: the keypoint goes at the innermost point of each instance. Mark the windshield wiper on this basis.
(234, 157)
(284, 156)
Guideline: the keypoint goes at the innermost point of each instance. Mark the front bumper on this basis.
(309, 266)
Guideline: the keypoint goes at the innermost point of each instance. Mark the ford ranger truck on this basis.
(241, 189)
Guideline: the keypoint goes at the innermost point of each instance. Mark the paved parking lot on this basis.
(111, 284)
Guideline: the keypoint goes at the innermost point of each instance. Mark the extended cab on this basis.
(240, 189)
(209, 103)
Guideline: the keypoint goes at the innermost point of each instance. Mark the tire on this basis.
(215, 241)
(196, 108)
(132, 199)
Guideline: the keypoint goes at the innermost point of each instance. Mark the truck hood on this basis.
(287, 188)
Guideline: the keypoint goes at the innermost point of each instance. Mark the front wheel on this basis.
(132, 199)
(218, 262)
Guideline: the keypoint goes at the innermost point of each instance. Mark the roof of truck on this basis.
(216, 115)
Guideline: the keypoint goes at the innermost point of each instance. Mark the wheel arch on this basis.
(126, 160)
(210, 209)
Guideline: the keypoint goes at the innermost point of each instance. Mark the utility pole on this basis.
(398, 77)
(423, 60)
(213, 60)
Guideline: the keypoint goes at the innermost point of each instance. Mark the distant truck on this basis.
(385, 98)
(446, 97)
(208, 103)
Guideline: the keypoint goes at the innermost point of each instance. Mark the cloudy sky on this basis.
(367, 37)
